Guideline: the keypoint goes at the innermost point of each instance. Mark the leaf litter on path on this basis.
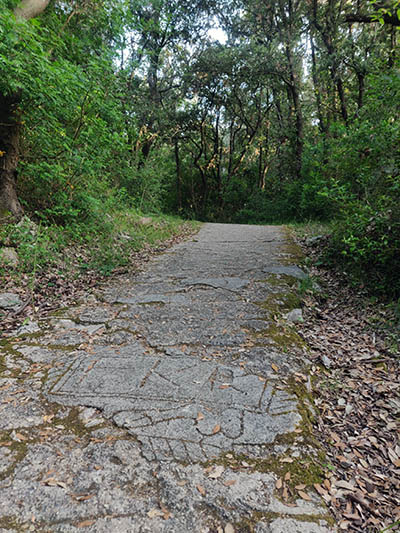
(355, 380)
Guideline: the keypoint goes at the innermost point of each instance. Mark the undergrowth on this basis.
(100, 245)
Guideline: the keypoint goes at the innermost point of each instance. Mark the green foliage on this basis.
(101, 244)
(365, 161)
(36, 246)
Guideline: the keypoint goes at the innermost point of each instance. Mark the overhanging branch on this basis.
(387, 18)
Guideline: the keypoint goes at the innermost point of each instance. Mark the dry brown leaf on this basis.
(166, 513)
(304, 495)
(86, 523)
(300, 487)
(319, 489)
(201, 490)
(327, 484)
(287, 476)
(229, 482)
(274, 367)
(216, 429)
(82, 497)
(154, 513)
(279, 483)
(20, 436)
(200, 416)
(343, 484)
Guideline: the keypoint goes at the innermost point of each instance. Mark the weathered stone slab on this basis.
(9, 300)
(180, 407)
(286, 270)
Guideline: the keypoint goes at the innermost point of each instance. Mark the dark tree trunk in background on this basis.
(178, 175)
(10, 127)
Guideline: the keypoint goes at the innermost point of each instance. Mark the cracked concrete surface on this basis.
(158, 405)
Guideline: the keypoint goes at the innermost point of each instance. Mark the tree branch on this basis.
(387, 18)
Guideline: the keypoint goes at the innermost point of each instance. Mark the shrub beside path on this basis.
(168, 401)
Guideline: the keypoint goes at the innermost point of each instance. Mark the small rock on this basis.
(63, 323)
(9, 300)
(28, 223)
(296, 315)
(326, 361)
(30, 327)
(9, 256)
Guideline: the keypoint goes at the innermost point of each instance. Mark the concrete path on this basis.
(163, 403)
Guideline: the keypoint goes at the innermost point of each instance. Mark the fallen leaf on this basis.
(274, 367)
(304, 495)
(86, 523)
(229, 482)
(153, 513)
(287, 476)
(20, 436)
(217, 472)
(300, 487)
(343, 484)
(166, 513)
(200, 416)
(82, 497)
(216, 429)
(52, 482)
(286, 460)
(201, 490)
(279, 483)
(319, 489)
(182, 482)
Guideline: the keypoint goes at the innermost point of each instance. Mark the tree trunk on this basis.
(295, 94)
(9, 155)
(317, 90)
(10, 128)
(178, 175)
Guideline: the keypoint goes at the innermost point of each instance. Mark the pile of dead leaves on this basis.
(58, 287)
(357, 391)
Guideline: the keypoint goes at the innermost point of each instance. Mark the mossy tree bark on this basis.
(10, 128)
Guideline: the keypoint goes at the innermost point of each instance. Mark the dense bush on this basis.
(364, 185)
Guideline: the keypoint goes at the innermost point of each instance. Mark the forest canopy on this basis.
(292, 116)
